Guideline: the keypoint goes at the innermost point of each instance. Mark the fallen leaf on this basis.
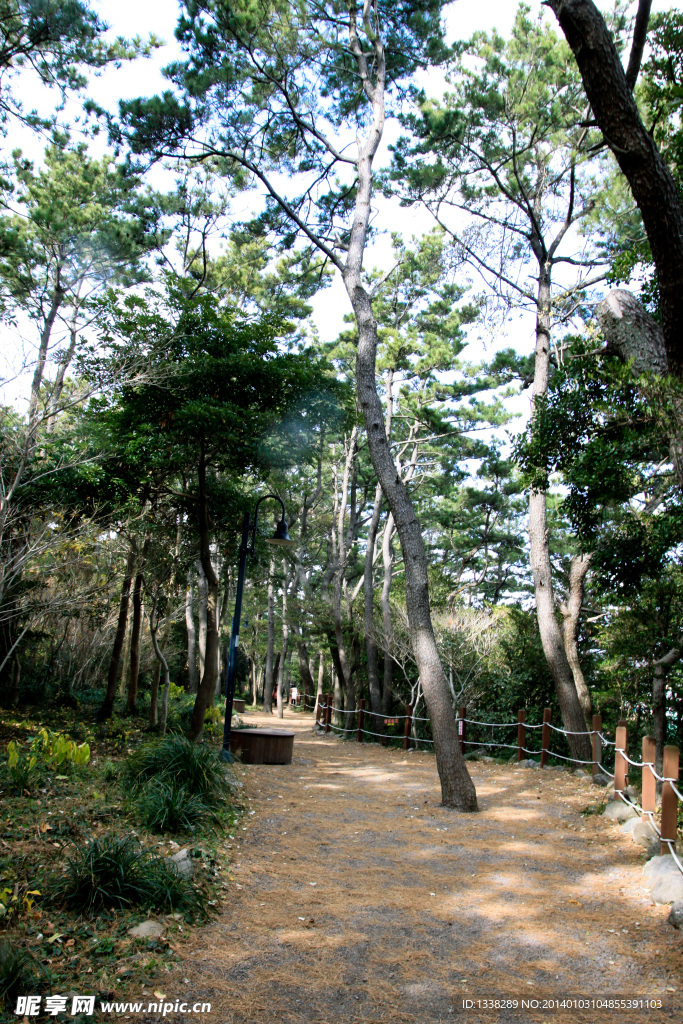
(159, 995)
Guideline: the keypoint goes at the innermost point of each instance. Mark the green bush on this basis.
(113, 872)
(20, 973)
(177, 762)
(167, 807)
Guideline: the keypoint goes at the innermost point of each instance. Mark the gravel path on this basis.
(360, 899)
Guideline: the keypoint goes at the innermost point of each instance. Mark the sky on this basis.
(144, 77)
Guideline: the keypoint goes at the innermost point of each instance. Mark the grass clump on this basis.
(168, 807)
(20, 973)
(180, 786)
(175, 761)
(110, 872)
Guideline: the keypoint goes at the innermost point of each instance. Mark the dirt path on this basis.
(360, 899)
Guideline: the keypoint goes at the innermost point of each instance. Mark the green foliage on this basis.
(46, 752)
(20, 973)
(114, 872)
(57, 40)
(172, 807)
(175, 761)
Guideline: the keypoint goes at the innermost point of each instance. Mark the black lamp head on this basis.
(281, 536)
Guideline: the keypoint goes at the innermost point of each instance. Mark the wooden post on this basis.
(521, 734)
(545, 737)
(649, 798)
(328, 712)
(620, 762)
(669, 823)
(361, 709)
(597, 744)
(409, 721)
(462, 714)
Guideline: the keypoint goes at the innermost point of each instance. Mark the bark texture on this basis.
(634, 148)
(207, 684)
(107, 707)
(571, 613)
(662, 668)
(192, 673)
(457, 788)
(551, 637)
(270, 643)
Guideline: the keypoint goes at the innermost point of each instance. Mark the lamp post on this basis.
(281, 539)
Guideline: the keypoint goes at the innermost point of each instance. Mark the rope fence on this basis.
(667, 830)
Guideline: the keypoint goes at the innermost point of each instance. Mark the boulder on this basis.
(658, 866)
(182, 862)
(147, 930)
(617, 810)
(630, 825)
(644, 834)
(600, 779)
(675, 917)
(668, 888)
(581, 774)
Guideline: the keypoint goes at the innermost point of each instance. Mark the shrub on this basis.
(19, 973)
(176, 761)
(46, 752)
(167, 807)
(114, 872)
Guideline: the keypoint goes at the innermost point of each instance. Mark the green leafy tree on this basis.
(296, 96)
(208, 417)
(508, 147)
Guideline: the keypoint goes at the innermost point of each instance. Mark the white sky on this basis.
(143, 77)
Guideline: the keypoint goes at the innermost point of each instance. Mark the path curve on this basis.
(358, 898)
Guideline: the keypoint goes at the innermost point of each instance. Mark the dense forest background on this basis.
(179, 376)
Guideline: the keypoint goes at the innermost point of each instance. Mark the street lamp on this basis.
(281, 539)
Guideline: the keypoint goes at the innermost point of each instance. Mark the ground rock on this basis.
(675, 917)
(182, 862)
(581, 774)
(630, 825)
(617, 810)
(600, 779)
(659, 866)
(643, 834)
(668, 888)
(528, 762)
(147, 930)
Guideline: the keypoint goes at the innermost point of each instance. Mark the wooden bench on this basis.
(262, 746)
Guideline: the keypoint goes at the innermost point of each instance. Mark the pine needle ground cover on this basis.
(363, 900)
(82, 857)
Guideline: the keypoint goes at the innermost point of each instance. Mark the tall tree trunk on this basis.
(202, 600)
(132, 700)
(571, 613)
(369, 612)
(156, 677)
(63, 366)
(281, 678)
(387, 624)
(270, 642)
(16, 682)
(307, 685)
(207, 685)
(107, 706)
(457, 789)
(158, 650)
(662, 668)
(652, 184)
(551, 638)
(192, 673)
(321, 682)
